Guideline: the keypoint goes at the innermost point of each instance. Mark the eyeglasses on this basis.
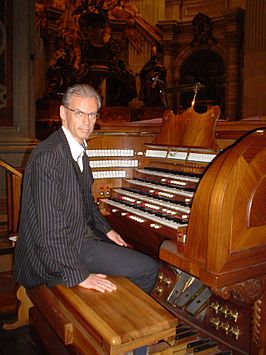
(81, 114)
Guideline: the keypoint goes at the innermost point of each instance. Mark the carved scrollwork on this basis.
(247, 291)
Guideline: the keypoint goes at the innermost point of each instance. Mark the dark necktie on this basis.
(84, 157)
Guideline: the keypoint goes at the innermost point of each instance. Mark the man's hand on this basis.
(98, 282)
(115, 237)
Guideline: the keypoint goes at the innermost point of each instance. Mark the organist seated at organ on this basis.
(200, 210)
(63, 237)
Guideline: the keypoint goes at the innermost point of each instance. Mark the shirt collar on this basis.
(75, 148)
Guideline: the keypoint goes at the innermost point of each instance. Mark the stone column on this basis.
(153, 11)
(169, 63)
(168, 29)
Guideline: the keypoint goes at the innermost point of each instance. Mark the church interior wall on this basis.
(30, 57)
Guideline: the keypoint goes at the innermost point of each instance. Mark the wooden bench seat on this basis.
(89, 322)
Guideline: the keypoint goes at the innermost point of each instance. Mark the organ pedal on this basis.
(187, 341)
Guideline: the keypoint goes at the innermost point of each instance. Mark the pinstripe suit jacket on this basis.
(52, 217)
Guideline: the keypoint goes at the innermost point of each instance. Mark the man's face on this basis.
(78, 123)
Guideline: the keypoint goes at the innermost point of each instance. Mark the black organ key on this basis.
(196, 343)
(207, 346)
(186, 334)
(182, 329)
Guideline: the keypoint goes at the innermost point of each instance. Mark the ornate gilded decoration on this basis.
(82, 47)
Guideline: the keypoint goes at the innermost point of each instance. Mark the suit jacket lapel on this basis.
(73, 163)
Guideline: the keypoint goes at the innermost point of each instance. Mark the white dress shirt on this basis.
(76, 149)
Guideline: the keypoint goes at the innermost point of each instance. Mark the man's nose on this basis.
(86, 120)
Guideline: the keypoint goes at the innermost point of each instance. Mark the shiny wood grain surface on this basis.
(122, 320)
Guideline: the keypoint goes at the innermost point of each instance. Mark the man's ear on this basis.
(62, 113)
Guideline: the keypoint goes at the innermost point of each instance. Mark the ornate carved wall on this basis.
(220, 37)
(125, 42)
(31, 54)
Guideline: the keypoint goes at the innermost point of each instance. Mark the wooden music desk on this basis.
(89, 322)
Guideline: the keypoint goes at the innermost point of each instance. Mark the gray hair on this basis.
(82, 90)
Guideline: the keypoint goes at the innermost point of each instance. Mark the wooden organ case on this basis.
(201, 211)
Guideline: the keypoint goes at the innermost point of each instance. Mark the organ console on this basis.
(199, 209)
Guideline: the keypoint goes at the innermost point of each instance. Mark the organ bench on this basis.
(81, 321)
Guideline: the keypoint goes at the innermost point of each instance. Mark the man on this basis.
(63, 237)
